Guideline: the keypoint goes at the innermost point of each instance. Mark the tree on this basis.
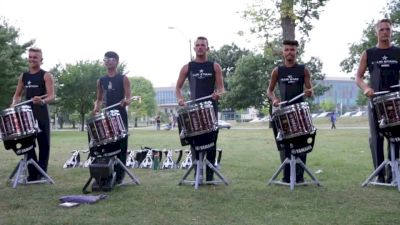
(369, 38)
(292, 14)
(328, 105)
(227, 56)
(248, 83)
(11, 61)
(286, 15)
(362, 100)
(77, 87)
(140, 86)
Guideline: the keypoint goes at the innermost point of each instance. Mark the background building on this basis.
(343, 92)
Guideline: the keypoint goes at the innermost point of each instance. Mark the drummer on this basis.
(35, 83)
(111, 89)
(292, 79)
(383, 66)
(205, 78)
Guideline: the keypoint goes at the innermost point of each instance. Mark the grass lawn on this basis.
(249, 160)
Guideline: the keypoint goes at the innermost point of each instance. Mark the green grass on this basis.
(249, 160)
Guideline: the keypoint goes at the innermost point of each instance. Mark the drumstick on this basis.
(198, 99)
(28, 101)
(301, 95)
(381, 93)
(394, 86)
(116, 104)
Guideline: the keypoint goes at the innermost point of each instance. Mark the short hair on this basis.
(385, 20)
(111, 54)
(34, 49)
(291, 42)
(202, 38)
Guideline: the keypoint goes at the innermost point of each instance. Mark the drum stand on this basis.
(200, 165)
(394, 163)
(115, 161)
(19, 175)
(187, 163)
(169, 161)
(292, 162)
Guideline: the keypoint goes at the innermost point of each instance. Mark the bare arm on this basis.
(307, 83)
(127, 92)
(271, 87)
(219, 81)
(179, 84)
(362, 67)
(99, 98)
(18, 92)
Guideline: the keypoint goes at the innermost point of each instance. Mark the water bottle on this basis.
(156, 160)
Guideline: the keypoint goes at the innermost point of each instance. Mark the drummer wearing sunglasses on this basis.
(114, 88)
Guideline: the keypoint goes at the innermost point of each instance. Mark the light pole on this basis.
(183, 34)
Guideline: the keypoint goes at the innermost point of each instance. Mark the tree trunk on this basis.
(82, 121)
(287, 20)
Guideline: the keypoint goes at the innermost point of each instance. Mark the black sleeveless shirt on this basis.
(113, 92)
(34, 85)
(383, 66)
(291, 82)
(201, 78)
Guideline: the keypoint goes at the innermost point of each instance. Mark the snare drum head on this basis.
(8, 111)
(386, 97)
(95, 118)
(24, 108)
(113, 113)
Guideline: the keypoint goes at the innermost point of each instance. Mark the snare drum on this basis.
(17, 123)
(105, 128)
(387, 109)
(293, 121)
(197, 119)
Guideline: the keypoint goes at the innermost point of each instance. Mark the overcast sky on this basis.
(73, 30)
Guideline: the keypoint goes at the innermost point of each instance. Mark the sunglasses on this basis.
(109, 59)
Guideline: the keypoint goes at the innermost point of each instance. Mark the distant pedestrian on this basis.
(333, 120)
(158, 122)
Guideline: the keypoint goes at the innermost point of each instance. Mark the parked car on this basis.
(360, 113)
(347, 114)
(223, 124)
(324, 114)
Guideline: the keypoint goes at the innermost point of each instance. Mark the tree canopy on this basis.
(369, 38)
(140, 86)
(11, 61)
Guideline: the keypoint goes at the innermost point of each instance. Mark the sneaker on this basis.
(380, 179)
(284, 180)
(300, 180)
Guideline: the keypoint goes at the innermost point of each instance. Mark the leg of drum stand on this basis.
(18, 171)
(216, 171)
(395, 170)
(199, 170)
(183, 180)
(133, 177)
(292, 172)
(315, 180)
(280, 168)
(22, 168)
(41, 171)
(374, 174)
(395, 166)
